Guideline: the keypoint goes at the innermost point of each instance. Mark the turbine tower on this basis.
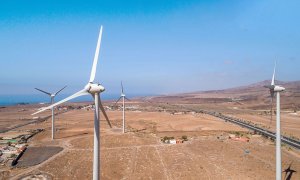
(123, 97)
(277, 89)
(93, 89)
(52, 96)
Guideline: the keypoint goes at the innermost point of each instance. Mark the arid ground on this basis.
(140, 154)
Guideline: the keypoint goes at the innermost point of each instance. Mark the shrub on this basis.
(13, 156)
(166, 138)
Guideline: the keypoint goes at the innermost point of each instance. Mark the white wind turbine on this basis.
(277, 89)
(52, 96)
(123, 99)
(93, 89)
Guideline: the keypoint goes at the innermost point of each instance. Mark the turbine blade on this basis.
(60, 90)
(122, 88)
(94, 67)
(117, 100)
(273, 78)
(103, 111)
(43, 91)
(290, 166)
(127, 99)
(285, 174)
(288, 170)
(79, 93)
(269, 86)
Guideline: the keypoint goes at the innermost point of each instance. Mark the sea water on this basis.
(9, 100)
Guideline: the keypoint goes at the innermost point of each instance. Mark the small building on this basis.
(241, 139)
(172, 141)
(231, 136)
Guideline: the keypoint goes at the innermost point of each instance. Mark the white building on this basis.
(172, 141)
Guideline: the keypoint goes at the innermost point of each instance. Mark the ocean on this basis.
(10, 100)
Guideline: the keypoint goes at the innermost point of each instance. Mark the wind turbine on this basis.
(123, 97)
(52, 96)
(93, 89)
(289, 172)
(277, 89)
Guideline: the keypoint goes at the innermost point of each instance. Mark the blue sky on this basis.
(154, 46)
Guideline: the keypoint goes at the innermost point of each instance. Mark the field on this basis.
(208, 153)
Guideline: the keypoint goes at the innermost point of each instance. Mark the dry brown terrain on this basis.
(250, 103)
(254, 96)
(139, 154)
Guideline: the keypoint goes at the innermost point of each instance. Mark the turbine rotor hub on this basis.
(94, 88)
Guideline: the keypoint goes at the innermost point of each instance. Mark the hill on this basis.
(253, 96)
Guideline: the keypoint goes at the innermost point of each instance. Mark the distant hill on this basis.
(253, 96)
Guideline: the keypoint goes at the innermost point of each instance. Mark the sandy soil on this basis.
(290, 121)
(139, 154)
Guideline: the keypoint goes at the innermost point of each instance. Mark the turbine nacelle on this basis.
(122, 95)
(275, 88)
(94, 88)
(278, 89)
